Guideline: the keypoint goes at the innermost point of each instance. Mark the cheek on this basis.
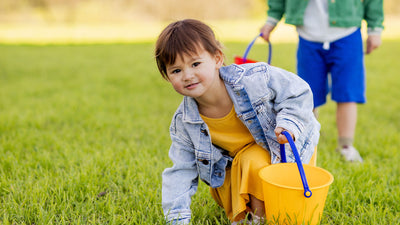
(176, 84)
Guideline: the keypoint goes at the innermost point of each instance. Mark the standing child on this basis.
(229, 123)
(330, 42)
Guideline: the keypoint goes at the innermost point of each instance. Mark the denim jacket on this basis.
(264, 97)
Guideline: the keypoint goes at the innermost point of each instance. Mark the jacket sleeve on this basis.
(276, 9)
(179, 183)
(373, 15)
(293, 100)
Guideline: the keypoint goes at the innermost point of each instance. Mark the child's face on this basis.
(195, 75)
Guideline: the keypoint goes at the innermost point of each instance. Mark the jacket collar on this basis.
(232, 74)
(191, 111)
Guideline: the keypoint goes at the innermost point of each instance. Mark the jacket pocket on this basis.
(212, 166)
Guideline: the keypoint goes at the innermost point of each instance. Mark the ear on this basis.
(219, 59)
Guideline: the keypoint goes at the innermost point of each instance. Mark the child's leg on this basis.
(257, 206)
(348, 89)
(242, 191)
(346, 119)
(312, 67)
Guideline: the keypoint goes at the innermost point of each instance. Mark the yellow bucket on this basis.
(284, 196)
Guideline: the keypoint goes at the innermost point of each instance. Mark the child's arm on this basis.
(373, 15)
(276, 9)
(179, 183)
(293, 101)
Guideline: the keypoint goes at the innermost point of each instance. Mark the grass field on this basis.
(84, 137)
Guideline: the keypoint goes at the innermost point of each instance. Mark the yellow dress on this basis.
(242, 178)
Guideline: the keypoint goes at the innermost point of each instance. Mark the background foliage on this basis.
(106, 11)
(71, 11)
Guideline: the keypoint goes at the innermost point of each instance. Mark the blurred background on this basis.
(132, 20)
(109, 11)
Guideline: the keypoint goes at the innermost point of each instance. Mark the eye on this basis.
(196, 64)
(176, 71)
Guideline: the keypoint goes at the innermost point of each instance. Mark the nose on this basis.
(188, 75)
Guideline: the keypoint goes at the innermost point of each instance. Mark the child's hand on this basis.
(280, 137)
(373, 42)
(266, 31)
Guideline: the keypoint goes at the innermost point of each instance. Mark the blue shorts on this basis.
(344, 61)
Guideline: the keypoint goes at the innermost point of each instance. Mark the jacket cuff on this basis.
(374, 30)
(272, 21)
(178, 218)
(179, 222)
(290, 126)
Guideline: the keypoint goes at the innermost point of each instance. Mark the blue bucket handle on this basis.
(307, 191)
(251, 45)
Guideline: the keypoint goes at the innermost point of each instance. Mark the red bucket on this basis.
(241, 60)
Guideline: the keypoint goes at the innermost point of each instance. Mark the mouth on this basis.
(191, 85)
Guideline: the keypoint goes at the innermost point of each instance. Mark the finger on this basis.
(265, 36)
(278, 131)
(370, 49)
(282, 139)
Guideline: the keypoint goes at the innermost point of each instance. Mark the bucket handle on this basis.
(251, 45)
(307, 191)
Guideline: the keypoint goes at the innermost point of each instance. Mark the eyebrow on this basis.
(171, 68)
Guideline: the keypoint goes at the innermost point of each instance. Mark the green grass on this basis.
(84, 137)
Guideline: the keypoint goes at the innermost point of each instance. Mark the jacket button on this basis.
(204, 132)
(204, 161)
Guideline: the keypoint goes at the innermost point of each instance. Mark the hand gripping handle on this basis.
(307, 191)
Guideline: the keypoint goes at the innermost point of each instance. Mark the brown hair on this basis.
(183, 37)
